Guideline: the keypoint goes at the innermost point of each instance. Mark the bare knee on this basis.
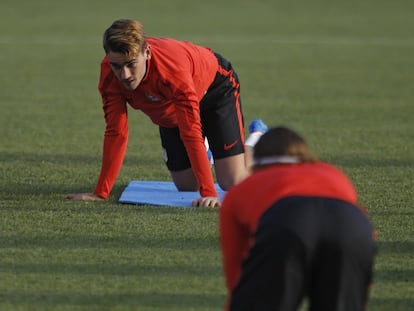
(230, 171)
(183, 186)
(185, 180)
(226, 182)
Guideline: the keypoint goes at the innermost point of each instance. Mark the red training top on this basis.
(246, 202)
(177, 77)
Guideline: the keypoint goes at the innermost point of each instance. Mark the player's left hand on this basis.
(207, 202)
(83, 197)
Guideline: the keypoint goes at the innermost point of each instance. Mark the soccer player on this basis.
(294, 229)
(190, 92)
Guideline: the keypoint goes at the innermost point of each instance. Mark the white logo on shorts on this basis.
(164, 155)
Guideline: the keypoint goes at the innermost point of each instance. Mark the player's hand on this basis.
(83, 197)
(207, 202)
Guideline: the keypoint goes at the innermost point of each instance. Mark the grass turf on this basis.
(340, 73)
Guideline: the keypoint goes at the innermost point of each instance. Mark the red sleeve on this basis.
(116, 132)
(189, 122)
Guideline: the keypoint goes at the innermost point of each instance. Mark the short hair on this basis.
(281, 145)
(125, 36)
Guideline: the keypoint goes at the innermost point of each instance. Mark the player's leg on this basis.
(230, 170)
(177, 161)
(256, 129)
(342, 272)
(226, 140)
(273, 276)
(223, 124)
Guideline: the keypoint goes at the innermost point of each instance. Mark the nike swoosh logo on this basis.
(228, 147)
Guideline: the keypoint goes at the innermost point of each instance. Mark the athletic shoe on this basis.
(210, 156)
(257, 125)
(256, 129)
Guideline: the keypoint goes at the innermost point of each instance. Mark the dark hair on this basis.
(281, 142)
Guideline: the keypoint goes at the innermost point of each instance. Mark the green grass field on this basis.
(339, 72)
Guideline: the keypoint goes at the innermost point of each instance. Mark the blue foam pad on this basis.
(159, 193)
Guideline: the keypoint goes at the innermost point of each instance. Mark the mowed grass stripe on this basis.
(225, 39)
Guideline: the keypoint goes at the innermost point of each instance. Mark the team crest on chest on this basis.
(152, 97)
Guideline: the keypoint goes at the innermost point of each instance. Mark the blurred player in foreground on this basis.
(190, 92)
(293, 229)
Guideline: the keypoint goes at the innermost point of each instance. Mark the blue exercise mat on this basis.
(159, 193)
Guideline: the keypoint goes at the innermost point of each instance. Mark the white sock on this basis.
(253, 139)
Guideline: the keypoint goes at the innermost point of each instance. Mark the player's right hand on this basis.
(83, 197)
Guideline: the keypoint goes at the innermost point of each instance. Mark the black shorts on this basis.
(318, 248)
(221, 120)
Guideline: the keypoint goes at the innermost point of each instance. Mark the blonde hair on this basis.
(125, 36)
(281, 145)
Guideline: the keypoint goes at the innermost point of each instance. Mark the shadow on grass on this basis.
(111, 269)
(67, 159)
(101, 242)
(16, 191)
(144, 159)
(156, 300)
(38, 157)
(394, 274)
(394, 304)
(399, 247)
(16, 185)
(355, 162)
